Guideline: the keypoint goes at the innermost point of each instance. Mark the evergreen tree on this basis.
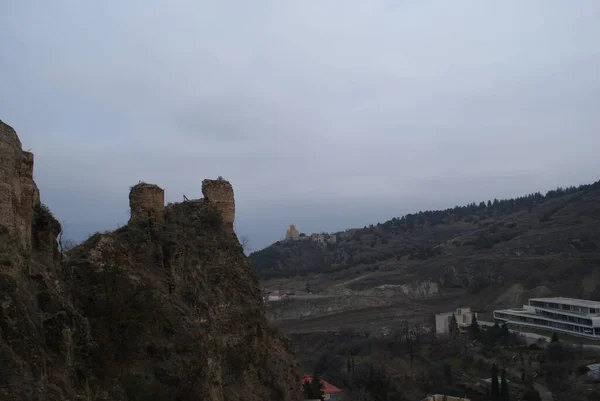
(352, 364)
(317, 387)
(453, 326)
(495, 390)
(307, 390)
(448, 374)
(554, 338)
(504, 387)
(349, 366)
(504, 330)
(494, 333)
(532, 395)
(474, 329)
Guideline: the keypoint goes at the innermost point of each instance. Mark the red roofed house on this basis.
(331, 392)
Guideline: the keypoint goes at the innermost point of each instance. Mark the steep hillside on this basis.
(164, 308)
(544, 243)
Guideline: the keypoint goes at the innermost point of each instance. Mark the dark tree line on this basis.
(313, 389)
(499, 389)
(495, 207)
(299, 258)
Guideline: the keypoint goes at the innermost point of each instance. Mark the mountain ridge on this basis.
(475, 249)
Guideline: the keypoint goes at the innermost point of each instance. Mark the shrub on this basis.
(138, 388)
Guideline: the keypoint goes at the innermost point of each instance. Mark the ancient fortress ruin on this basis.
(320, 238)
(19, 196)
(147, 201)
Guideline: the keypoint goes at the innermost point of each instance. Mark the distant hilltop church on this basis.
(294, 235)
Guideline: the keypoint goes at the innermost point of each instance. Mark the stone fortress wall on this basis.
(148, 201)
(219, 192)
(19, 195)
(320, 238)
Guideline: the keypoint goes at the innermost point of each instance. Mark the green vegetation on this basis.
(425, 236)
(401, 368)
(139, 388)
(313, 390)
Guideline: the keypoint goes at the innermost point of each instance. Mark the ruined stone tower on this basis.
(147, 201)
(292, 233)
(220, 194)
(19, 194)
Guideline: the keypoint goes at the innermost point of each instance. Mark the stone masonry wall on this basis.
(10, 147)
(19, 194)
(147, 201)
(220, 194)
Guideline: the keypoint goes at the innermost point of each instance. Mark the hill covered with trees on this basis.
(468, 246)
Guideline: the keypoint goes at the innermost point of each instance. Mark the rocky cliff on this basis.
(164, 308)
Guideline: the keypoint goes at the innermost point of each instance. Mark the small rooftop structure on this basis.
(442, 397)
(594, 371)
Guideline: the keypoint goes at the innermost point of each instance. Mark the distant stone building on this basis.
(464, 318)
(292, 233)
(318, 238)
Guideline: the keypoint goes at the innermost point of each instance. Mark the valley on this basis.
(491, 255)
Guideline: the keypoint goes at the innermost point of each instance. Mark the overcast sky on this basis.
(326, 114)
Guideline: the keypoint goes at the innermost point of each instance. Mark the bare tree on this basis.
(65, 244)
(244, 243)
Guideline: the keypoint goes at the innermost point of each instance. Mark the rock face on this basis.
(18, 193)
(164, 308)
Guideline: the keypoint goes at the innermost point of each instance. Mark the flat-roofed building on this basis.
(464, 317)
(578, 317)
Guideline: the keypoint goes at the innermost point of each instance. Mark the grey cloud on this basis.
(327, 114)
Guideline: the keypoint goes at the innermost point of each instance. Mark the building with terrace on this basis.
(577, 317)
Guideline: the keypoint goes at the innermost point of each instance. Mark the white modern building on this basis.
(577, 317)
(464, 318)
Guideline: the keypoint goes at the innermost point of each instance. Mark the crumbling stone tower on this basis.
(19, 195)
(220, 194)
(292, 233)
(147, 201)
